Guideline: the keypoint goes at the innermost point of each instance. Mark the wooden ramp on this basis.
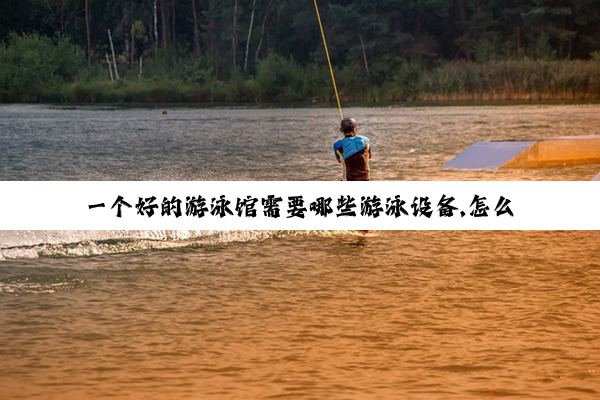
(576, 150)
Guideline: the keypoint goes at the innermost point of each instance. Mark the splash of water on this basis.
(34, 244)
(38, 284)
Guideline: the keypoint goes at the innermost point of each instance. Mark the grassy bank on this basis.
(454, 82)
(41, 69)
(522, 80)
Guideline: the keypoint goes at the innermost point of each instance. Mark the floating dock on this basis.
(535, 153)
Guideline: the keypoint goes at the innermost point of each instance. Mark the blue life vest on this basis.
(350, 145)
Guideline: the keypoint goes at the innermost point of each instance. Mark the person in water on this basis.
(354, 152)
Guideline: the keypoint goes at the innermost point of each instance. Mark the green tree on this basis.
(29, 61)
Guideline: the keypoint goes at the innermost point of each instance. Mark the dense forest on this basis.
(271, 50)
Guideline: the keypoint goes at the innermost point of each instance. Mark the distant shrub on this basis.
(279, 79)
(30, 62)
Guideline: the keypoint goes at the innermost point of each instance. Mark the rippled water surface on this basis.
(100, 143)
(418, 315)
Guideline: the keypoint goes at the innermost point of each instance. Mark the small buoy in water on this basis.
(315, 116)
(164, 112)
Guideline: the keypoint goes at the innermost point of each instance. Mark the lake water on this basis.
(291, 314)
(103, 143)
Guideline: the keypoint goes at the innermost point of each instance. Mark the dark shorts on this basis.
(357, 166)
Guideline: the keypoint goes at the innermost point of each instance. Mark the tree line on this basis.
(220, 41)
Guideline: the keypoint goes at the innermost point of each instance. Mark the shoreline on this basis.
(307, 105)
(128, 92)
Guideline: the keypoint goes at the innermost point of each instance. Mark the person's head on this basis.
(348, 126)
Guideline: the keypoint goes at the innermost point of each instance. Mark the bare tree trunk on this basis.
(140, 74)
(132, 47)
(234, 33)
(155, 30)
(87, 28)
(196, 29)
(164, 24)
(364, 51)
(173, 23)
(112, 49)
(109, 67)
(127, 51)
(262, 31)
(249, 35)
(212, 34)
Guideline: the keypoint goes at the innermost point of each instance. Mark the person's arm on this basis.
(337, 151)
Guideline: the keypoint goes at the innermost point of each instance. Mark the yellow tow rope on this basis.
(337, 96)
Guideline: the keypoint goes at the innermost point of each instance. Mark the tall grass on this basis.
(281, 80)
(522, 80)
